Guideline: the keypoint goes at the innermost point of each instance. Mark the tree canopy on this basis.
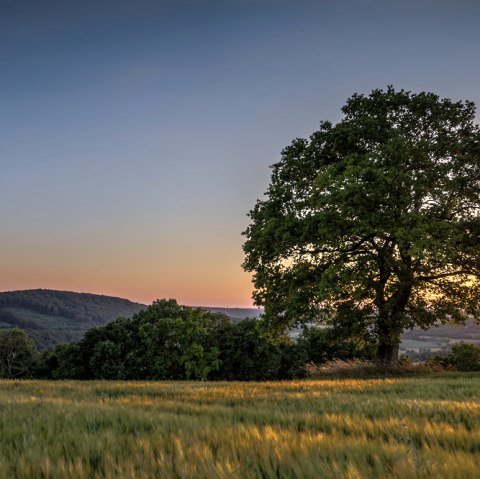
(378, 214)
(171, 341)
(17, 353)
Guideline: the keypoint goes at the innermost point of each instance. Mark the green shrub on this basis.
(465, 357)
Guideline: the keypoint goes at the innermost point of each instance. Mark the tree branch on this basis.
(443, 275)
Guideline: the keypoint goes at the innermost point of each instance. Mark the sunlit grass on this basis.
(403, 428)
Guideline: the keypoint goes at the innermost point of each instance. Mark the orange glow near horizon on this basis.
(209, 276)
(234, 297)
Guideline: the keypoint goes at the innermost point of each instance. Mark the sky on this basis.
(135, 135)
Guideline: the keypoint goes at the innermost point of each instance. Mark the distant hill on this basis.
(418, 343)
(51, 317)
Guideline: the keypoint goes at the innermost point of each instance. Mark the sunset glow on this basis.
(136, 136)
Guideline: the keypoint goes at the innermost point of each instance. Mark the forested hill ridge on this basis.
(51, 316)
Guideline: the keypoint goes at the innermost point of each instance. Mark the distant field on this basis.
(419, 344)
(373, 428)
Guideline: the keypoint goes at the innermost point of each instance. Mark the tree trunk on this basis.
(387, 353)
(390, 324)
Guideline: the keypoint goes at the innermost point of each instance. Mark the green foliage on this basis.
(106, 361)
(165, 341)
(293, 361)
(381, 211)
(248, 354)
(52, 317)
(175, 341)
(322, 345)
(17, 353)
(67, 362)
(196, 355)
(46, 362)
(84, 307)
(464, 357)
(169, 341)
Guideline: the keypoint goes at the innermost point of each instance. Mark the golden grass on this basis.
(352, 428)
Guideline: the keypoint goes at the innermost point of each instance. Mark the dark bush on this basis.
(168, 341)
(465, 357)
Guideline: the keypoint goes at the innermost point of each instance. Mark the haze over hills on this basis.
(418, 343)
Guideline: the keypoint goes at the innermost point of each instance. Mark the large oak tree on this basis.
(379, 213)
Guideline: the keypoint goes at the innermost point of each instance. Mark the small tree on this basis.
(197, 357)
(380, 211)
(17, 353)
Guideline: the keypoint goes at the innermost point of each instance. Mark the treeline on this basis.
(167, 341)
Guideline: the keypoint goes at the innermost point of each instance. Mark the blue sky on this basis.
(136, 135)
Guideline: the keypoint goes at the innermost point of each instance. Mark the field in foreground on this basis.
(402, 427)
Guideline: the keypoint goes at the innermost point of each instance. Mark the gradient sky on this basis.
(136, 135)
